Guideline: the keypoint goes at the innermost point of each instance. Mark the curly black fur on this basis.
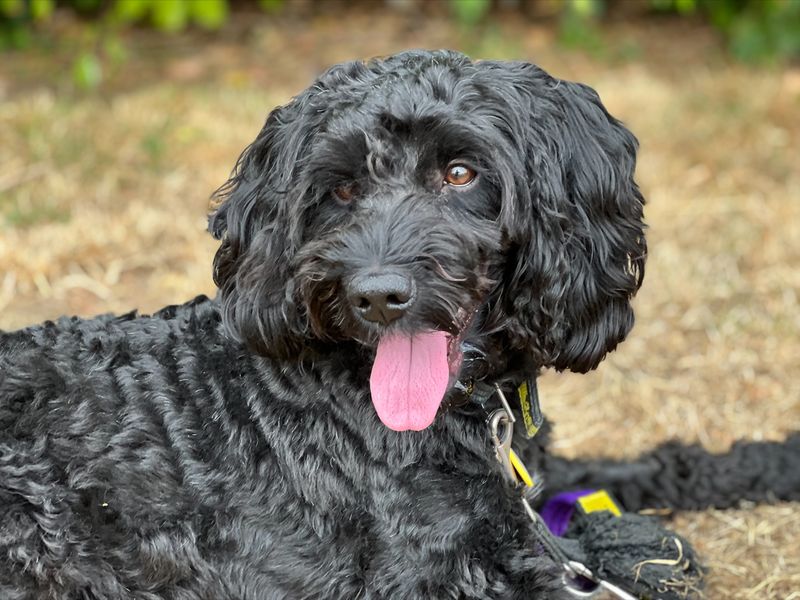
(153, 458)
(228, 448)
(548, 245)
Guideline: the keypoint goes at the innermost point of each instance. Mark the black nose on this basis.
(381, 297)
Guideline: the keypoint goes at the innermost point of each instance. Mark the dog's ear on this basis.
(253, 222)
(259, 221)
(577, 246)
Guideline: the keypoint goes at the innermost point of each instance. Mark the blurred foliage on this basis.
(756, 30)
(18, 17)
(578, 24)
(470, 12)
(87, 72)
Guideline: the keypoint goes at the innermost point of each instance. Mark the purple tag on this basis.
(558, 510)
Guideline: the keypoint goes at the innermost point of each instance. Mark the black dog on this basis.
(402, 233)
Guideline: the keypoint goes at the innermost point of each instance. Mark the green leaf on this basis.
(209, 14)
(130, 11)
(469, 12)
(87, 72)
(41, 10)
(170, 15)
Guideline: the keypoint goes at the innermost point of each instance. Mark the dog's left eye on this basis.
(459, 175)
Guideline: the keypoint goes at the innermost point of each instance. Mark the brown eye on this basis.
(459, 175)
(345, 193)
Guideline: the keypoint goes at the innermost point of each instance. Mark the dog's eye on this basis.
(345, 193)
(459, 175)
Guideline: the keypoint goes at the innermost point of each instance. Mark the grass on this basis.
(103, 198)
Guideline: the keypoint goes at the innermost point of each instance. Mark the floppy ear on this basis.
(577, 237)
(253, 223)
(260, 221)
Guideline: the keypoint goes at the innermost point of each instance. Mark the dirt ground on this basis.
(103, 197)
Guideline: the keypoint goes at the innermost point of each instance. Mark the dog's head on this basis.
(424, 204)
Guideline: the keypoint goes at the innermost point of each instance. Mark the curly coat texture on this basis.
(153, 457)
(228, 448)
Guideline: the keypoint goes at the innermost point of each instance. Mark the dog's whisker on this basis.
(442, 272)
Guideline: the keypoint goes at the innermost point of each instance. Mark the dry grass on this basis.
(103, 200)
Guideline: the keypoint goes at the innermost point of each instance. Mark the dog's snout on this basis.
(381, 297)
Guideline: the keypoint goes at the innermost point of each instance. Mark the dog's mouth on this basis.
(412, 373)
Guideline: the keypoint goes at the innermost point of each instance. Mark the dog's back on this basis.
(92, 455)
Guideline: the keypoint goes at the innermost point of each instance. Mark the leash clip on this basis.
(502, 431)
(501, 427)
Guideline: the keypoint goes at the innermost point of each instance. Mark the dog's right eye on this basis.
(459, 175)
(346, 193)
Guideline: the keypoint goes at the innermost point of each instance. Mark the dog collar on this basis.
(522, 387)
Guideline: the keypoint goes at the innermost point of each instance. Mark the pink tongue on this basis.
(409, 379)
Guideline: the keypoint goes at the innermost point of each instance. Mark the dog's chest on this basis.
(318, 509)
(313, 484)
